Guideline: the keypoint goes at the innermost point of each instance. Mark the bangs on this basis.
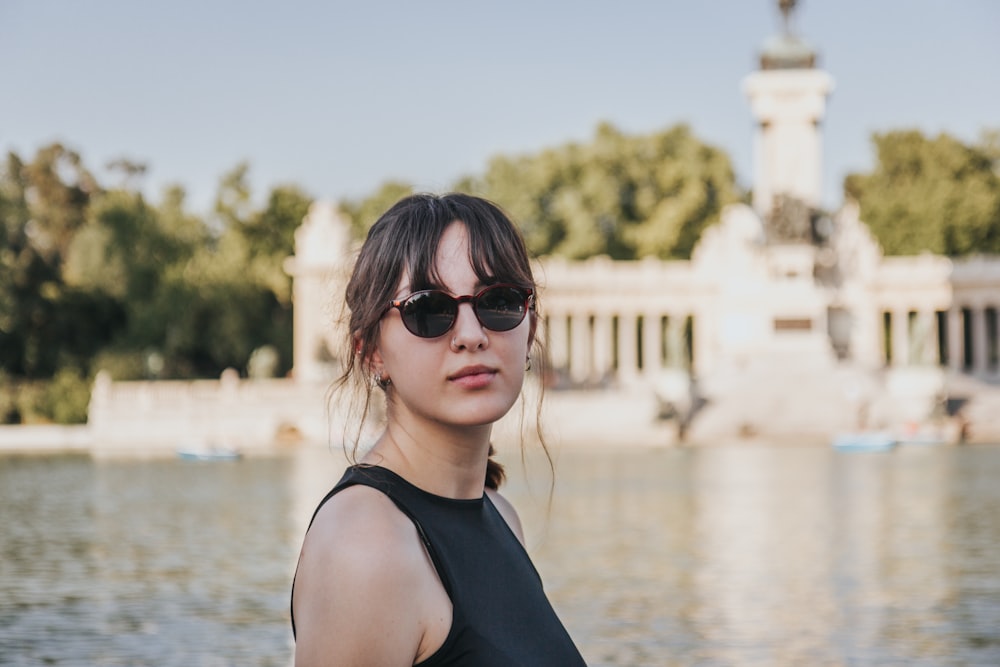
(405, 240)
(496, 251)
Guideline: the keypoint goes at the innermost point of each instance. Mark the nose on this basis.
(468, 333)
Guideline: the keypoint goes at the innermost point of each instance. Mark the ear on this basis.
(375, 363)
(532, 327)
(372, 363)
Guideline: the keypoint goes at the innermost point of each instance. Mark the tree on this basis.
(58, 189)
(270, 232)
(93, 277)
(269, 237)
(230, 296)
(233, 198)
(621, 195)
(934, 195)
(363, 213)
(131, 172)
(44, 323)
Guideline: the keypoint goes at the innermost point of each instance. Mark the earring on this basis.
(527, 363)
(380, 381)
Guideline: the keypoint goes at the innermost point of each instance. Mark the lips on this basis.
(472, 371)
(473, 377)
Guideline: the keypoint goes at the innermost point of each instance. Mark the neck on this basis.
(445, 461)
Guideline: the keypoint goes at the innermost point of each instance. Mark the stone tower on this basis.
(319, 270)
(788, 99)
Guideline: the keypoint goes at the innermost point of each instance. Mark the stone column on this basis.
(993, 349)
(927, 321)
(703, 343)
(675, 341)
(319, 271)
(651, 362)
(556, 338)
(788, 105)
(900, 337)
(602, 345)
(979, 338)
(628, 361)
(866, 336)
(955, 338)
(579, 362)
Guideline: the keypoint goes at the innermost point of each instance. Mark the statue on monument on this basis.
(790, 221)
(786, 51)
(787, 7)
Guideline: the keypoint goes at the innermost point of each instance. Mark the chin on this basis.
(483, 415)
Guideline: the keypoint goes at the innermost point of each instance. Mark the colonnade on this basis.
(587, 347)
(963, 338)
(629, 320)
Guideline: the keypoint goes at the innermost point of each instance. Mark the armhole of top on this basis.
(522, 546)
(443, 575)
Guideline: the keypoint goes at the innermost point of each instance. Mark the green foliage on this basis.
(124, 247)
(9, 413)
(233, 198)
(270, 232)
(61, 400)
(268, 236)
(93, 278)
(46, 323)
(57, 188)
(363, 213)
(620, 195)
(96, 278)
(210, 315)
(931, 194)
(66, 397)
(121, 364)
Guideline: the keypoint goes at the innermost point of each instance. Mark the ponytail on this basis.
(495, 474)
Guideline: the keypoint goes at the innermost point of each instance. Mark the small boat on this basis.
(923, 439)
(209, 454)
(924, 434)
(864, 441)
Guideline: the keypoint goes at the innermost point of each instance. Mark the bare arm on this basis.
(365, 592)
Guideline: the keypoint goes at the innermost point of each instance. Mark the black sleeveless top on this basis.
(500, 614)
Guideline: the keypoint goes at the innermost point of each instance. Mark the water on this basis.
(736, 556)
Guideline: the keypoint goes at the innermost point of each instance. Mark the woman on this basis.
(414, 558)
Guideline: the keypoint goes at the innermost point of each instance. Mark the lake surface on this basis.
(715, 556)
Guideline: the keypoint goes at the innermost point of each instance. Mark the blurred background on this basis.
(181, 186)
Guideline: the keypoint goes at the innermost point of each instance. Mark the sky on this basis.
(338, 97)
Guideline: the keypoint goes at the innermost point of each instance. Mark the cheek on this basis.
(402, 353)
(516, 346)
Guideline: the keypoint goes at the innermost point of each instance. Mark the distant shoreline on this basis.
(55, 439)
(45, 439)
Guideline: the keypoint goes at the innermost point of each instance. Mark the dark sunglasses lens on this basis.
(501, 308)
(429, 314)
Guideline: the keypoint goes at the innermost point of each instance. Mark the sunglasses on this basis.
(432, 313)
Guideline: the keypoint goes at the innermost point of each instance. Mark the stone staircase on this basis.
(776, 400)
(977, 403)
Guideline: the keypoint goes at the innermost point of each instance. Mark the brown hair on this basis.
(406, 238)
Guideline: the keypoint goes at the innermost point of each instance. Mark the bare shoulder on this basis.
(362, 585)
(357, 526)
(508, 512)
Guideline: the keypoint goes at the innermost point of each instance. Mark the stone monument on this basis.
(788, 99)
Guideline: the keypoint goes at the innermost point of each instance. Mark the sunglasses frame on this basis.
(527, 292)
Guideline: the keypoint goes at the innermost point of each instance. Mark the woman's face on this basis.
(467, 377)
